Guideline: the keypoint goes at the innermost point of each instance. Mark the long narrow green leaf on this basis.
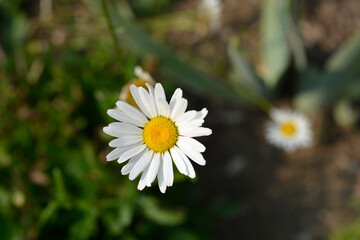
(294, 39)
(244, 73)
(346, 59)
(158, 214)
(132, 36)
(340, 79)
(275, 53)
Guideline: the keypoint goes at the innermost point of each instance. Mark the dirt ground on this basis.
(300, 196)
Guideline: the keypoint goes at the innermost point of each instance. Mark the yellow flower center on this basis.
(288, 129)
(160, 134)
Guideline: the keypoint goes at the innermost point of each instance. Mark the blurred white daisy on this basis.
(155, 136)
(143, 77)
(211, 11)
(288, 129)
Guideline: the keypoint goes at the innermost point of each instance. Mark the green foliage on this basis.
(275, 52)
(351, 232)
(244, 74)
(339, 79)
(162, 216)
(179, 71)
(58, 79)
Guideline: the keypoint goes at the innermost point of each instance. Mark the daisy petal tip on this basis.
(202, 163)
(192, 176)
(108, 112)
(141, 186)
(132, 176)
(133, 88)
(163, 189)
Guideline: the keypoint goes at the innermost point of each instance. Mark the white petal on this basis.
(153, 169)
(194, 143)
(163, 107)
(191, 152)
(126, 141)
(169, 173)
(141, 185)
(189, 166)
(196, 123)
(131, 153)
(129, 166)
(161, 177)
(192, 118)
(114, 154)
(159, 91)
(194, 131)
(118, 129)
(151, 89)
(122, 117)
(177, 95)
(186, 117)
(201, 114)
(160, 101)
(178, 108)
(140, 165)
(132, 113)
(135, 93)
(148, 102)
(179, 162)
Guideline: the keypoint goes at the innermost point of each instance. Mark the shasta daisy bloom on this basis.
(288, 130)
(156, 135)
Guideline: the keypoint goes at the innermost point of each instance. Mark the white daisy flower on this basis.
(156, 136)
(288, 130)
(211, 10)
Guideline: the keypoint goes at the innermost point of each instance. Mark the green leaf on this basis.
(294, 39)
(244, 74)
(17, 31)
(8, 227)
(181, 73)
(85, 225)
(48, 212)
(347, 57)
(344, 114)
(160, 215)
(119, 211)
(59, 188)
(275, 53)
(4, 198)
(183, 234)
(319, 89)
(351, 232)
(149, 7)
(310, 96)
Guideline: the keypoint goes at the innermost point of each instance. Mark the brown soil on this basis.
(300, 196)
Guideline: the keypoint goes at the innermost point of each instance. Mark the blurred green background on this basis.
(60, 71)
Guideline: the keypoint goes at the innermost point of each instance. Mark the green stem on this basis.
(110, 26)
(261, 102)
(253, 97)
